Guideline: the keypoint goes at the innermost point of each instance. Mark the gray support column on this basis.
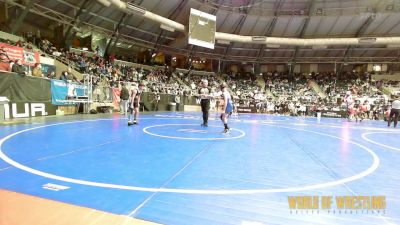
(115, 35)
(68, 36)
(15, 28)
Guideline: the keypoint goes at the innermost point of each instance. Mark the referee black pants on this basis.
(205, 108)
(395, 113)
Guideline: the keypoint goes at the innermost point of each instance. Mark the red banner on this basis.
(116, 97)
(13, 52)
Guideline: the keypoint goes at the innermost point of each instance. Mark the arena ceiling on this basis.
(275, 18)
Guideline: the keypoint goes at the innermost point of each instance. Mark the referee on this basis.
(395, 111)
(204, 93)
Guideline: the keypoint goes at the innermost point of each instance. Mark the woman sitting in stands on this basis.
(37, 70)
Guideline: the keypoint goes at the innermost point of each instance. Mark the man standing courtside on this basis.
(395, 111)
(124, 97)
(205, 101)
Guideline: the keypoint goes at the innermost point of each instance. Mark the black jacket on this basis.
(18, 69)
(124, 93)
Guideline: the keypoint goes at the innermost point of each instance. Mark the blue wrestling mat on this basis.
(170, 170)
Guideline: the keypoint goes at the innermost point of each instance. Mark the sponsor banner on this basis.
(4, 66)
(47, 69)
(241, 109)
(13, 52)
(334, 114)
(55, 187)
(63, 93)
(32, 109)
(116, 97)
(25, 89)
(341, 204)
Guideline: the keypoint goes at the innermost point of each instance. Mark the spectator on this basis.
(68, 76)
(37, 70)
(124, 97)
(52, 75)
(18, 67)
(64, 76)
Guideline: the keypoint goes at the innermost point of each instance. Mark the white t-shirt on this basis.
(396, 104)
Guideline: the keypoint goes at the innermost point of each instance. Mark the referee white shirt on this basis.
(204, 93)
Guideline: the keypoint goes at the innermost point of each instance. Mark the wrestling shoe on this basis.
(226, 131)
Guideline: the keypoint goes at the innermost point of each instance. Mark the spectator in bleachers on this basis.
(64, 76)
(18, 67)
(282, 93)
(52, 75)
(37, 70)
(68, 76)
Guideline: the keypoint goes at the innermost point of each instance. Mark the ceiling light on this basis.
(272, 46)
(225, 42)
(135, 8)
(259, 38)
(367, 40)
(319, 47)
(165, 27)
